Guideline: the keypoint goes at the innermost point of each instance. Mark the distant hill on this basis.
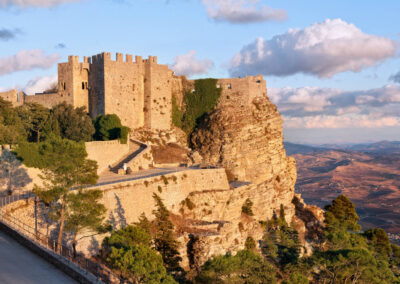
(369, 174)
(381, 147)
(293, 148)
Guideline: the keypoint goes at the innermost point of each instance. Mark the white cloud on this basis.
(27, 60)
(39, 84)
(313, 107)
(322, 49)
(345, 121)
(242, 11)
(33, 3)
(189, 65)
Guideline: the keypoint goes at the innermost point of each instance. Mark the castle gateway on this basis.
(139, 91)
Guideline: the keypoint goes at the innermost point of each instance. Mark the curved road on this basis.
(20, 265)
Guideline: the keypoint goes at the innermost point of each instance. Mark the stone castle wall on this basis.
(13, 96)
(106, 153)
(48, 99)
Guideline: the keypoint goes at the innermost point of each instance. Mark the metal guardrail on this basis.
(34, 236)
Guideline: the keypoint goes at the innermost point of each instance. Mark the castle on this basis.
(139, 91)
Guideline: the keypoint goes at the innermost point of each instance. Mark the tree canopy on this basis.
(109, 127)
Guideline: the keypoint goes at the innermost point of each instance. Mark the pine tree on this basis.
(164, 239)
(144, 223)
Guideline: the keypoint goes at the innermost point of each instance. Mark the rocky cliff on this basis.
(248, 142)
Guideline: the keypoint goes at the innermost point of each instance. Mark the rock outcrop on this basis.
(246, 140)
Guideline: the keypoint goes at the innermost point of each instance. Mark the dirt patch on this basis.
(170, 153)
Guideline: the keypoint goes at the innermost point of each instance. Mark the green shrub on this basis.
(177, 114)
(247, 207)
(250, 243)
(165, 180)
(189, 203)
(199, 103)
(123, 134)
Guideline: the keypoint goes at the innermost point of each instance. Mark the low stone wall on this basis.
(106, 153)
(143, 160)
(132, 198)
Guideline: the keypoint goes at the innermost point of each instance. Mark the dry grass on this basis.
(170, 153)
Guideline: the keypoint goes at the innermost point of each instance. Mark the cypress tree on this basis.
(164, 239)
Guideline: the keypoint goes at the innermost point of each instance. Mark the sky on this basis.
(332, 67)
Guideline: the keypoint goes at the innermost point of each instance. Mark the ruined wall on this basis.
(13, 96)
(106, 153)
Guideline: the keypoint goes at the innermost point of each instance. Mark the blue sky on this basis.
(327, 92)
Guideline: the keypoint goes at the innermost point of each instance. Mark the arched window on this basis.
(83, 85)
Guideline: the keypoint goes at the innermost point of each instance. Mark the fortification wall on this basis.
(158, 95)
(13, 96)
(242, 91)
(124, 89)
(96, 90)
(49, 99)
(106, 153)
(126, 201)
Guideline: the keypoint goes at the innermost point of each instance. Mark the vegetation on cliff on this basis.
(146, 252)
(346, 256)
(197, 104)
(129, 251)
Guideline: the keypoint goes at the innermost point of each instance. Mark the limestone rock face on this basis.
(246, 140)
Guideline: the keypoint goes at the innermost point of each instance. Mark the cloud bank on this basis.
(189, 65)
(313, 107)
(33, 3)
(242, 11)
(322, 49)
(27, 60)
(40, 84)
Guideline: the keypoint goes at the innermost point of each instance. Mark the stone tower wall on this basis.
(13, 96)
(242, 91)
(158, 82)
(96, 86)
(124, 89)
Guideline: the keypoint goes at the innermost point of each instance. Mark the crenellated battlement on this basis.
(119, 57)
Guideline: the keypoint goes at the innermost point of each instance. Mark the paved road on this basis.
(19, 265)
(114, 178)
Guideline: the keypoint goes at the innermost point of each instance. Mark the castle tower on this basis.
(73, 82)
